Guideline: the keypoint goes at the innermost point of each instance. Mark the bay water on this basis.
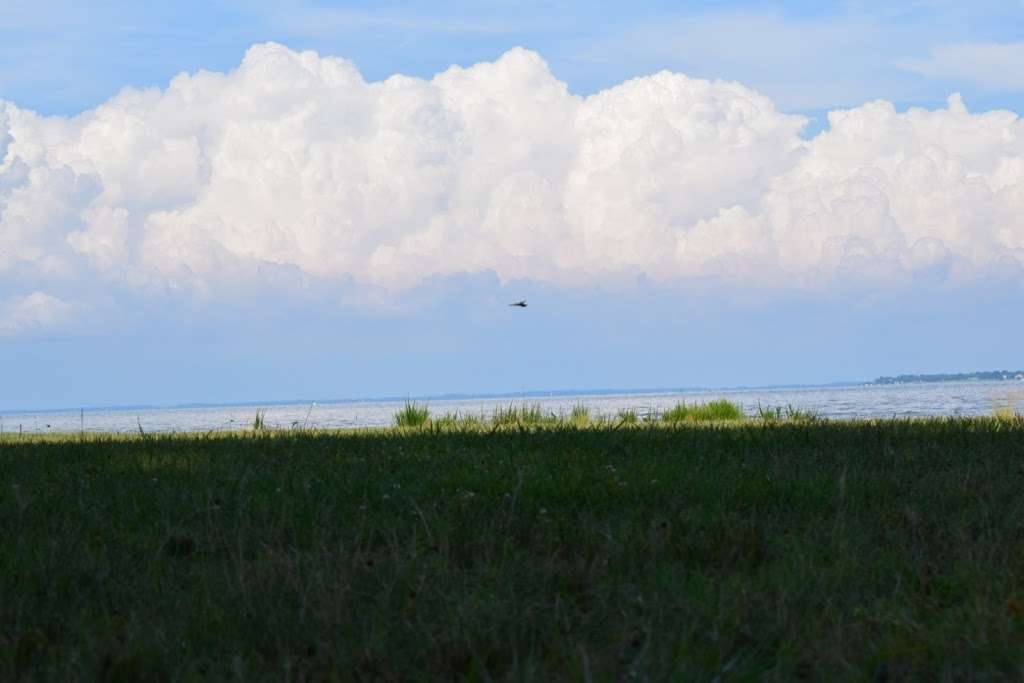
(848, 401)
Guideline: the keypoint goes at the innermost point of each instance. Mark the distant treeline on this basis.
(952, 377)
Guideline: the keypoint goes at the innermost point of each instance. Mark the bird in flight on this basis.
(520, 304)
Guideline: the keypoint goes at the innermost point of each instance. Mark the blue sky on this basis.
(666, 234)
(63, 57)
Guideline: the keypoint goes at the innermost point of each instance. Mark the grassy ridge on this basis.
(885, 550)
(416, 416)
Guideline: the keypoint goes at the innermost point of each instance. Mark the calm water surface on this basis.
(907, 400)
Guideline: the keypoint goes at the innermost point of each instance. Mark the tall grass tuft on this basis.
(1005, 413)
(718, 410)
(628, 417)
(580, 415)
(802, 416)
(524, 415)
(258, 422)
(456, 420)
(412, 415)
(771, 415)
(447, 421)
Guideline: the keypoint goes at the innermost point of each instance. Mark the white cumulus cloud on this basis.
(32, 313)
(293, 163)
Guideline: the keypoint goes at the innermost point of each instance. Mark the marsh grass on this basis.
(528, 415)
(1007, 402)
(459, 421)
(628, 416)
(744, 550)
(718, 410)
(447, 421)
(1006, 413)
(412, 415)
(789, 413)
(580, 415)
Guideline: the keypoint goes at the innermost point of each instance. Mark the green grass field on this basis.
(620, 550)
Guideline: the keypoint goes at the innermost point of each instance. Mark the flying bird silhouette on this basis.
(520, 304)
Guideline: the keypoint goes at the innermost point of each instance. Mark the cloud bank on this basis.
(292, 169)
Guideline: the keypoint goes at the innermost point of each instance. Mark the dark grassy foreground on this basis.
(819, 550)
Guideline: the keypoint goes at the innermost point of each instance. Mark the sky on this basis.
(255, 201)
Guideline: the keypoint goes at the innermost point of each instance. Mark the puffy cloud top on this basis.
(292, 163)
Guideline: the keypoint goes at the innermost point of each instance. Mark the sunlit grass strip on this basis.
(774, 414)
(714, 411)
(528, 415)
(627, 416)
(580, 415)
(412, 415)
(458, 421)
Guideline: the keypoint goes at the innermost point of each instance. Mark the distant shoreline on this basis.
(987, 376)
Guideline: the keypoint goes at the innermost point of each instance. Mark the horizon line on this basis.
(452, 396)
(533, 393)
